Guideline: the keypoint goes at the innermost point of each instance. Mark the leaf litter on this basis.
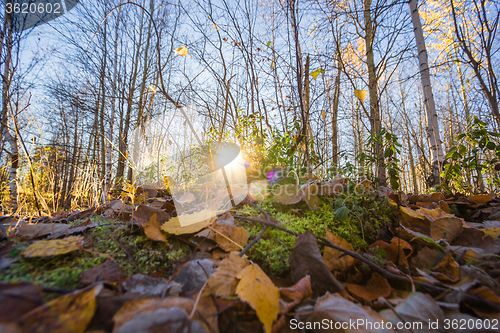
(437, 259)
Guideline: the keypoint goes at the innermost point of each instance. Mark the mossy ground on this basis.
(65, 271)
(366, 214)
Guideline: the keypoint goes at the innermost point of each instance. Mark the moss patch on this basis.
(65, 271)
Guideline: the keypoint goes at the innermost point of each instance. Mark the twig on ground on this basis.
(261, 233)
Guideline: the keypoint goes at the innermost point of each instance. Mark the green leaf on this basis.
(341, 214)
(491, 145)
(462, 150)
(268, 43)
(388, 152)
(461, 136)
(315, 73)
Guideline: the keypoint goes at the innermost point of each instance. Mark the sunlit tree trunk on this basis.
(436, 148)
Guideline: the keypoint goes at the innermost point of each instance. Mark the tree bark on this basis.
(373, 93)
(437, 156)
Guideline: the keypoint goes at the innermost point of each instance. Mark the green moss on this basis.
(65, 271)
(367, 213)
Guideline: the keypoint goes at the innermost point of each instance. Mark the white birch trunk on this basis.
(436, 146)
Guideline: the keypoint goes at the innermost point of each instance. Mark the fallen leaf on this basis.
(208, 311)
(311, 196)
(68, 313)
(173, 320)
(42, 229)
(147, 285)
(446, 228)
(393, 252)
(230, 237)
(174, 227)
(472, 237)
(332, 188)
(376, 287)
(108, 271)
(493, 232)
(306, 259)
(417, 308)
(53, 247)
(447, 270)
(299, 291)
(152, 229)
(333, 258)
(143, 214)
(18, 298)
(431, 197)
(223, 281)
(434, 214)
(338, 309)
(257, 289)
(288, 194)
(426, 259)
(402, 244)
(193, 274)
(482, 199)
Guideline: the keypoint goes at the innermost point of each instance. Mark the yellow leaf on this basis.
(223, 282)
(323, 114)
(361, 94)
(68, 313)
(181, 51)
(53, 247)
(493, 232)
(332, 258)
(152, 229)
(315, 73)
(257, 289)
(272, 64)
(215, 27)
(47, 148)
(173, 226)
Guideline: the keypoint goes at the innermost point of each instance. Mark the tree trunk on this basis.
(373, 93)
(11, 139)
(436, 148)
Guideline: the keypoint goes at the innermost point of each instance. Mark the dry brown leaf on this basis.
(394, 252)
(108, 271)
(339, 309)
(68, 313)
(332, 257)
(42, 229)
(311, 196)
(173, 226)
(433, 214)
(288, 194)
(230, 237)
(332, 188)
(432, 197)
(152, 229)
(403, 245)
(143, 214)
(447, 228)
(447, 270)
(299, 291)
(257, 289)
(140, 311)
(223, 281)
(18, 298)
(376, 287)
(53, 247)
(482, 199)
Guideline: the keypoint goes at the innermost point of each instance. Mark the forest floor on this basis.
(321, 255)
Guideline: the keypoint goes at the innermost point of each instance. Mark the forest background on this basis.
(332, 87)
